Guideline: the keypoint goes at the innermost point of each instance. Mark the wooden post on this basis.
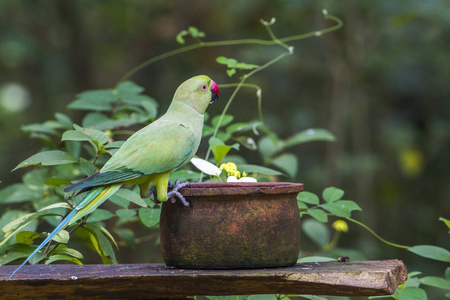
(156, 281)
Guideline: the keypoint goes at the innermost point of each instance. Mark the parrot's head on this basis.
(198, 92)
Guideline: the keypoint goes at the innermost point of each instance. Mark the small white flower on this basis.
(206, 167)
(242, 179)
(247, 179)
(325, 12)
(232, 179)
(265, 23)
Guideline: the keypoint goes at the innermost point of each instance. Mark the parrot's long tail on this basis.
(90, 202)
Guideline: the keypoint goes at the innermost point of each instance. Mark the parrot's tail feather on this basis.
(94, 199)
(90, 202)
(48, 239)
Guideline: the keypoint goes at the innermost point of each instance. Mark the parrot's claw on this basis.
(152, 191)
(174, 193)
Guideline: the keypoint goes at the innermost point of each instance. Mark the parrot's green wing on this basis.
(157, 148)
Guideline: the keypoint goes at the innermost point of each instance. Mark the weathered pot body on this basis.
(232, 226)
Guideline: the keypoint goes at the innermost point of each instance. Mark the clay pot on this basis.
(232, 226)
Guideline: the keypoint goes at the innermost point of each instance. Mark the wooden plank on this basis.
(156, 281)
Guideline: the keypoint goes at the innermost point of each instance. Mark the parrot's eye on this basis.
(204, 87)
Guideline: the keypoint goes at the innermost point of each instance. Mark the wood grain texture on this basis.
(156, 281)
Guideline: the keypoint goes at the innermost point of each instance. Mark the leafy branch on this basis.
(202, 44)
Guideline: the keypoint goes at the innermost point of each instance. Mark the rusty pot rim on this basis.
(241, 188)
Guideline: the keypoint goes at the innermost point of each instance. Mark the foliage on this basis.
(72, 151)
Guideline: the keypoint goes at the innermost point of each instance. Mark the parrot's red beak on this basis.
(214, 91)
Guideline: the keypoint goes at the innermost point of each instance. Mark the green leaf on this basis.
(245, 66)
(179, 38)
(64, 119)
(97, 100)
(63, 249)
(349, 204)
(287, 162)
(207, 131)
(412, 293)
(446, 222)
(114, 145)
(125, 214)
(87, 167)
(230, 62)
(108, 234)
(234, 64)
(128, 88)
(59, 257)
(101, 122)
(18, 224)
(261, 297)
(15, 193)
(316, 231)
(149, 216)
(431, 252)
(100, 215)
(41, 128)
(331, 194)
(231, 72)
(151, 106)
(219, 149)
(54, 124)
(308, 197)
(302, 205)
(100, 243)
(93, 119)
(227, 119)
(119, 201)
(195, 32)
(94, 134)
(73, 135)
(310, 259)
(73, 147)
(414, 274)
(237, 127)
(26, 237)
(268, 146)
(258, 169)
(62, 237)
(314, 297)
(15, 252)
(48, 158)
(337, 209)
(318, 214)
(310, 135)
(438, 282)
(139, 100)
(130, 196)
(57, 181)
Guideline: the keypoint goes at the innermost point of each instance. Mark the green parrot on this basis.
(150, 155)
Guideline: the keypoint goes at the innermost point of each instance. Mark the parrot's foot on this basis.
(174, 193)
(152, 191)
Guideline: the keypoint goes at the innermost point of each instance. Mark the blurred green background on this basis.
(381, 84)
